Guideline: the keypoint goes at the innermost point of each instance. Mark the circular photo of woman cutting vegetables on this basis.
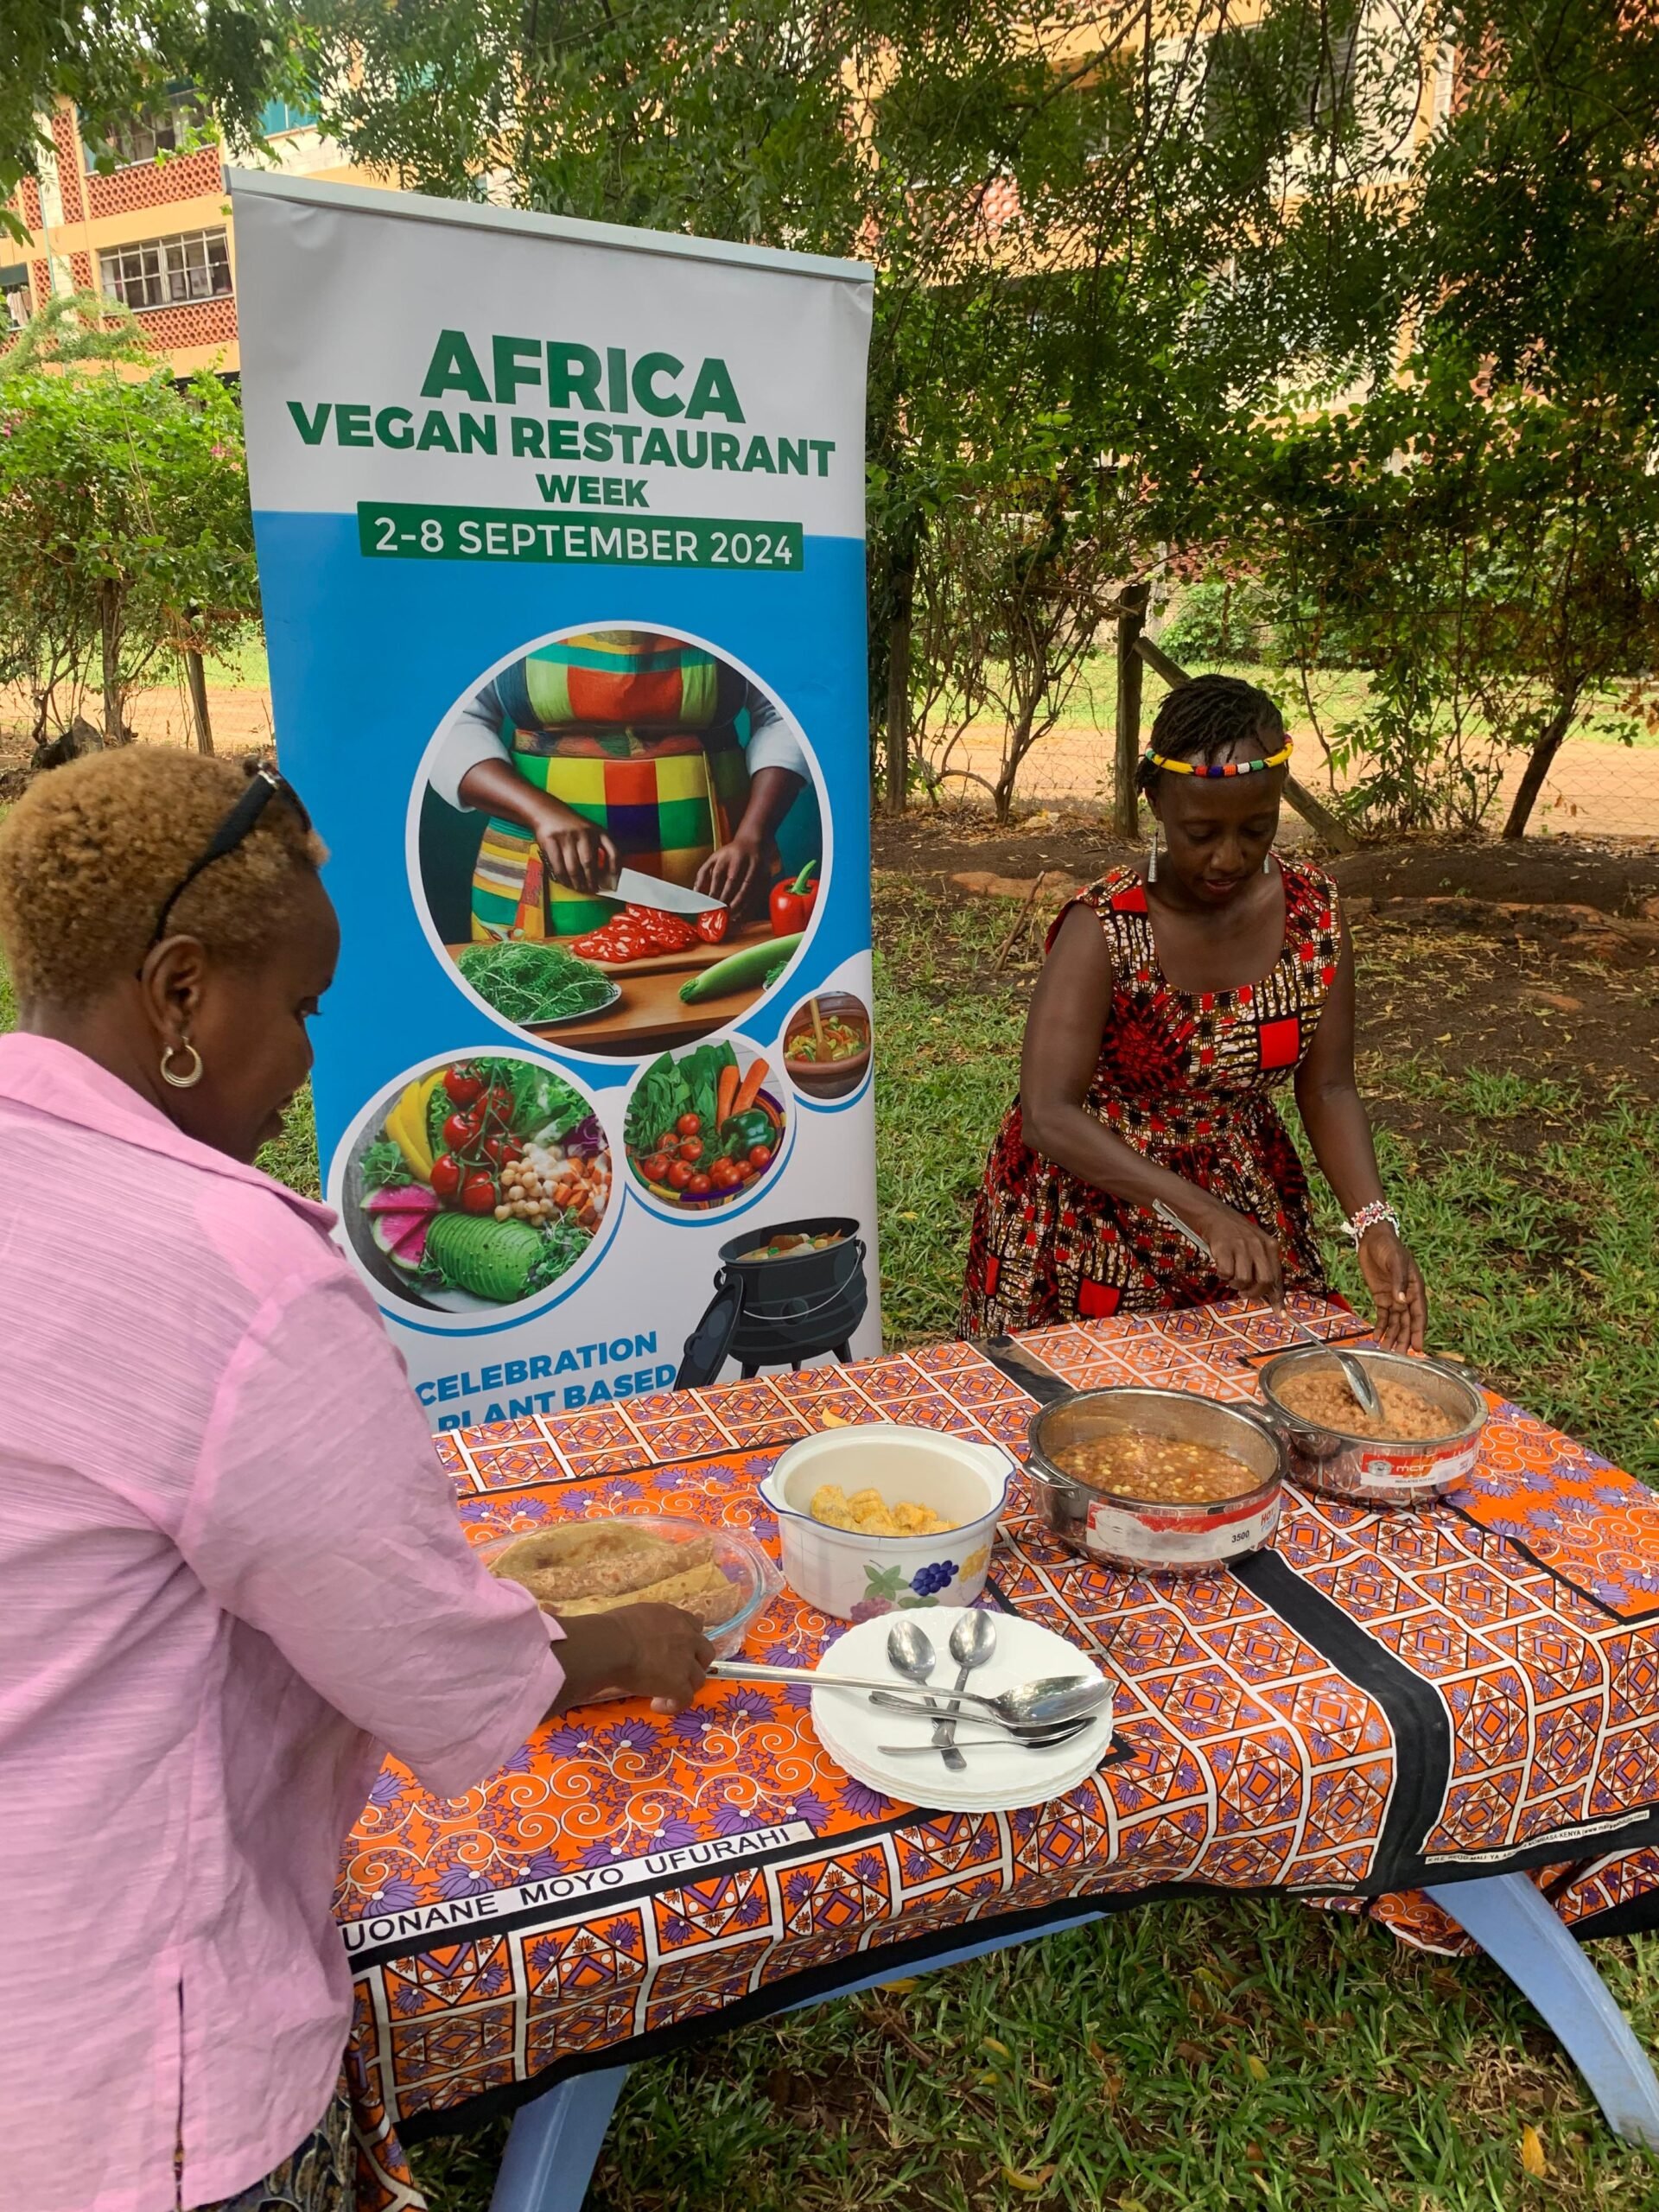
(618, 839)
(476, 1186)
(705, 1128)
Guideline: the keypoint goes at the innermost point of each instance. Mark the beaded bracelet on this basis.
(1368, 1217)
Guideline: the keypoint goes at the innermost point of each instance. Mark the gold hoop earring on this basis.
(192, 1075)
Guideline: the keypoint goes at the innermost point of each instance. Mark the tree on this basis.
(114, 59)
(125, 530)
(1070, 224)
(76, 330)
(1537, 206)
(1490, 555)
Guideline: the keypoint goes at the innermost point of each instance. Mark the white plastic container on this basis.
(851, 1576)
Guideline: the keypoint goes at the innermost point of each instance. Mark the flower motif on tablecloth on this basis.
(868, 1804)
(621, 1489)
(627, 1842)
(732, 1816)
(467, 1880)
(675, 1832)
(391, 1897)
(511, 1517)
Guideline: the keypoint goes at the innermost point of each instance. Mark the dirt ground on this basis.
(1537, 962)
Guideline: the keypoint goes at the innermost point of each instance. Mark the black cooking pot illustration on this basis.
(780, 1296)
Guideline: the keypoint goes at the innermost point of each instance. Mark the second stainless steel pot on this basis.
(1142, 1534)
(1379, 1470)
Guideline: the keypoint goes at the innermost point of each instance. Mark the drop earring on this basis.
(1266, 863)
(1152, 858)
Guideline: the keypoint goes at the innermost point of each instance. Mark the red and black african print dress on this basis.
(1186, 1079)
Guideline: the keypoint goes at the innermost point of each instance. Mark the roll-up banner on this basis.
(560, 537)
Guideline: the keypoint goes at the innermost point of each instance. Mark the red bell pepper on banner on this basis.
(791, 903)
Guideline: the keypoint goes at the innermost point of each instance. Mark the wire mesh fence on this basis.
(1595, 787)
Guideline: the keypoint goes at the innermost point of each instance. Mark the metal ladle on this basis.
(1353, 1373)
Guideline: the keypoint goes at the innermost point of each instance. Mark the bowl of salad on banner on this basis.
(481, 1183)
(702, 1127)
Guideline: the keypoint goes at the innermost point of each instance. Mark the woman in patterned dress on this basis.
(1175, 998)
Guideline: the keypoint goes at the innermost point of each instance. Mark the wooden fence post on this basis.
(1314, 812)
(196, 676)
(1131, 616)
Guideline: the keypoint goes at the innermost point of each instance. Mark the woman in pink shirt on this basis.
(232, 1576)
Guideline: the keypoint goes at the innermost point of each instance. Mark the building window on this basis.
(15, 304)
(279, 116)
(165, 272)
(160, 130)
(1253, 69)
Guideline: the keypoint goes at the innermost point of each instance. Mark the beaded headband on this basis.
(1218, 767)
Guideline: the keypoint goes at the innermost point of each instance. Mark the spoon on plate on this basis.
(973, 1641)
(1035, 1740)
(910, 1653)
(1051, 1698)
(1353, 1373)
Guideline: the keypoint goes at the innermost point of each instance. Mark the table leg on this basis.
(1517, 1927)
(554, 2145)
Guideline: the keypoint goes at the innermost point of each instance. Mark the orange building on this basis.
(147, 220)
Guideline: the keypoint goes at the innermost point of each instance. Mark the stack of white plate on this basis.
(999, 1777)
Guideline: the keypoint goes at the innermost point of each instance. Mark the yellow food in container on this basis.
(869, 1513)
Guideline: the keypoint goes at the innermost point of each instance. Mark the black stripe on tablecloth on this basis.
(1636, 1917)
(1649, 1615)
(1023, 1368)
(1422, 1731)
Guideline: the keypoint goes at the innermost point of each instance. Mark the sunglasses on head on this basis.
(264, 786)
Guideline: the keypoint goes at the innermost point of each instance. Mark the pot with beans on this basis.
(1423, 1444)
(1159, 1481)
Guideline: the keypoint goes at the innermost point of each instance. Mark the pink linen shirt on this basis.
(232, 1576)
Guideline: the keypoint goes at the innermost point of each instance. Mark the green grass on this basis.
(1337, 694)
(246, 664)
(1186, 2057)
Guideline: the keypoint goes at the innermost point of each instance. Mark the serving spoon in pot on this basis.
(1353, 1372)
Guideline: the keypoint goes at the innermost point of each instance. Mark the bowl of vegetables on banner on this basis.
(702, 1128)
(827, 1044)
(537, 983)
(483, 1183)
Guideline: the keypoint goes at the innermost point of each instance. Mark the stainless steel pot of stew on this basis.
(1424, 1443)
(1163, 1482)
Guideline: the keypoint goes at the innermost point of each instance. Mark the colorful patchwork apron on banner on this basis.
(638, 735)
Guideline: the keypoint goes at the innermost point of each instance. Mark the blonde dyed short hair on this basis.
(90, 851)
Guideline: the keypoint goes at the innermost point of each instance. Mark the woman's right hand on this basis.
(1245, 1257)
(653, 1651)
(578, 855)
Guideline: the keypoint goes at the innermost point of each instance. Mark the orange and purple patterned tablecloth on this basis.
(1380, 1700)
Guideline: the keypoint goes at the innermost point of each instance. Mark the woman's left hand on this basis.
(1395, 1282)
(730, 871)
